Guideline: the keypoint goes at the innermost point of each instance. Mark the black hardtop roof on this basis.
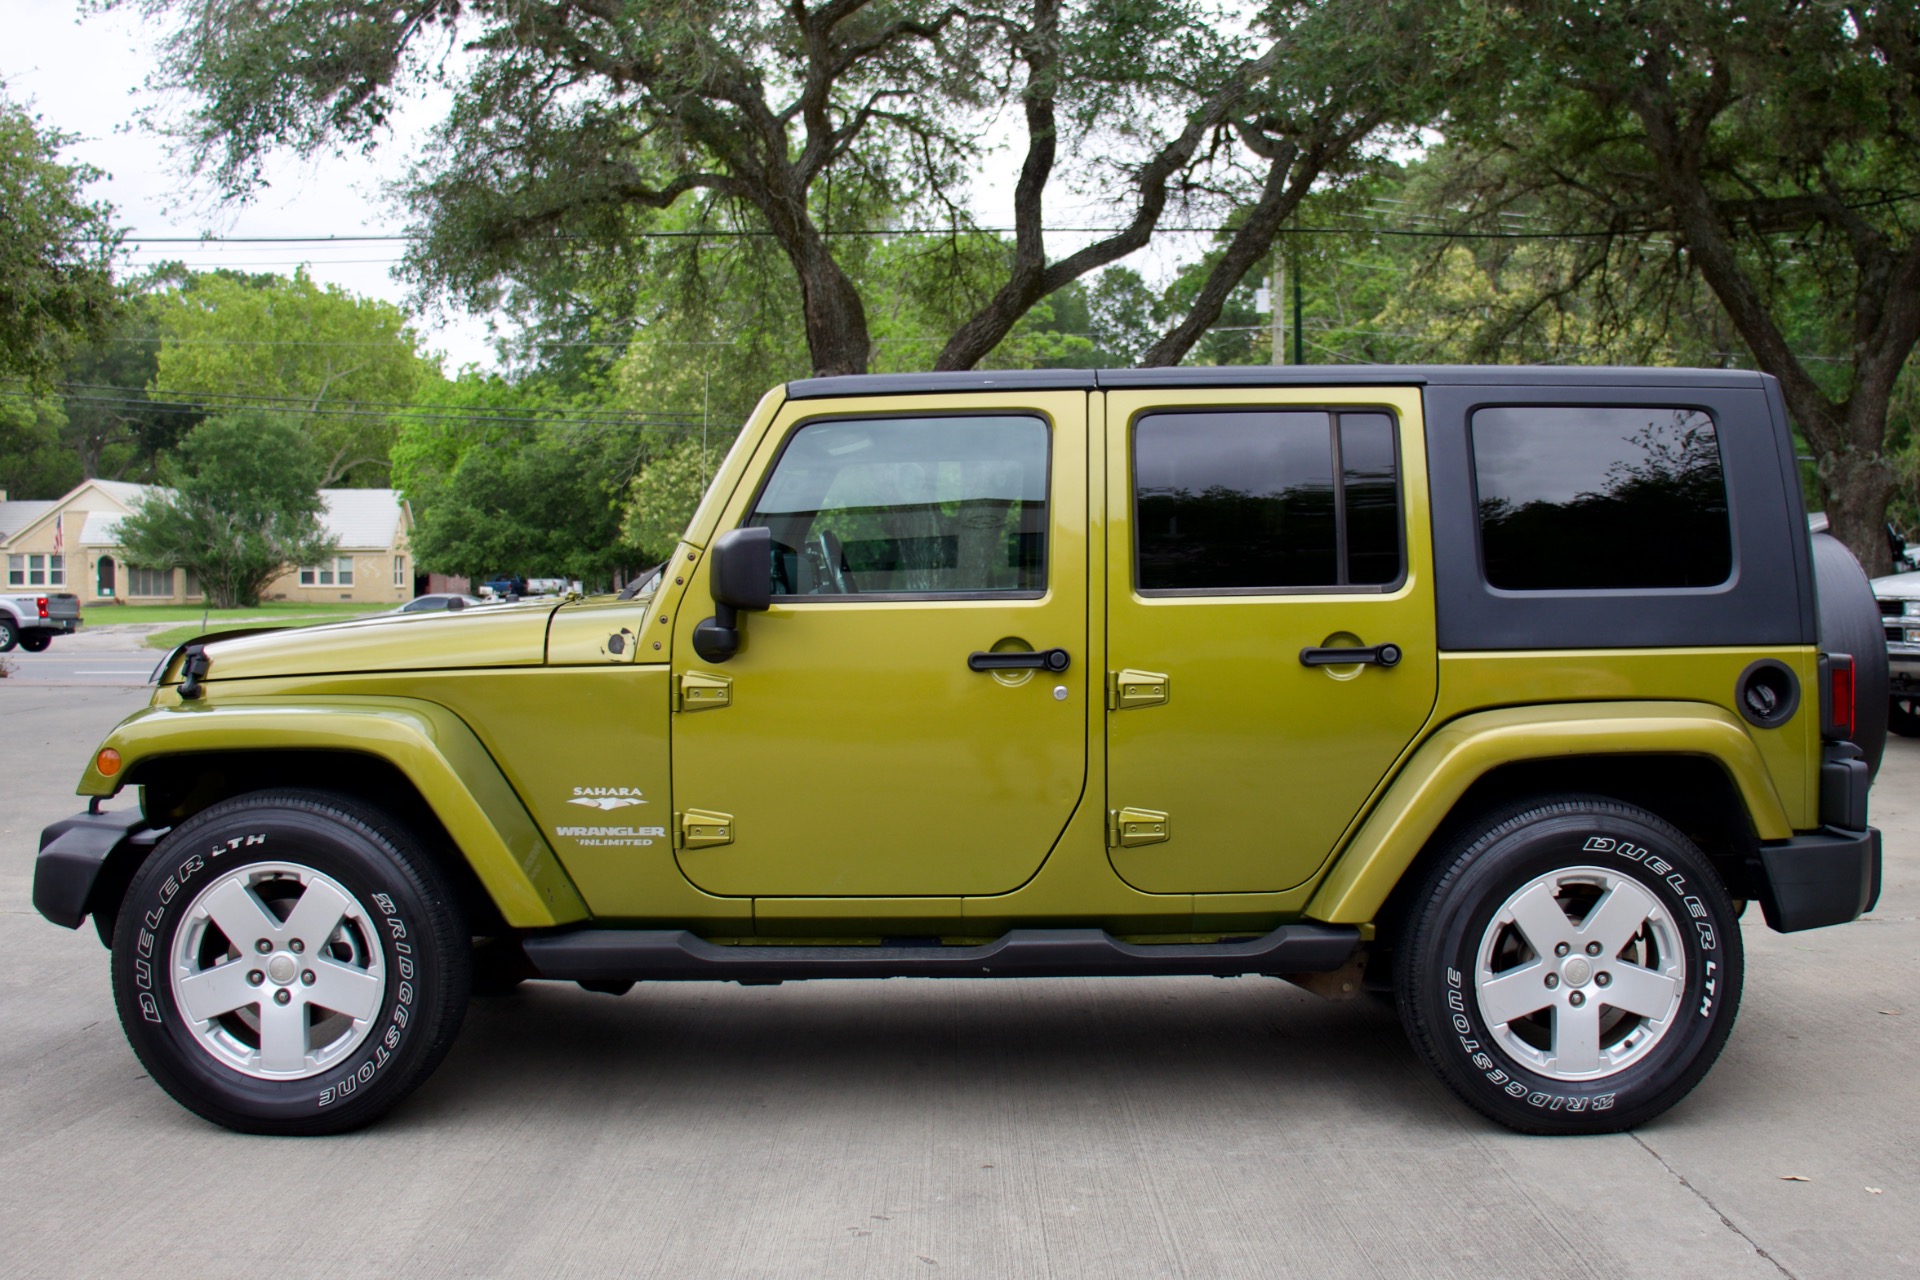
(1311, 375)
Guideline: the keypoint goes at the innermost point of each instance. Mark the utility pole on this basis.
(1276, 299)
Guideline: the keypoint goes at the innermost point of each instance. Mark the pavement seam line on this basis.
(1725, 1221)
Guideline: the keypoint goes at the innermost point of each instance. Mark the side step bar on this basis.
(620, 955)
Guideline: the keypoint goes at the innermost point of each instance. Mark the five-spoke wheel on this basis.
(1579, 973)
(279, 970)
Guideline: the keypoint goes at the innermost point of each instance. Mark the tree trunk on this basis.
(837, 339)
(1857, 487)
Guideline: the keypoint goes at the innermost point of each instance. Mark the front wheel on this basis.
(290, 962)
(1574, 967)
(1903, 717)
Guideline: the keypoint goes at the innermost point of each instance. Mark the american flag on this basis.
(59, 534)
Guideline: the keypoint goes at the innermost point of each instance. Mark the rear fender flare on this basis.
(1454, 757)
(433, 748)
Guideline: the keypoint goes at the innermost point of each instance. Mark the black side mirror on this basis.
(740, 568)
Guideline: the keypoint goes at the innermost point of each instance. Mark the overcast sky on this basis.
(83, 75)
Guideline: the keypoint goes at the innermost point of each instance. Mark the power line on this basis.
(672, 424)
(930, 232)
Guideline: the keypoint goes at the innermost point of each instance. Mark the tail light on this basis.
(1838, 697)
(41, 604)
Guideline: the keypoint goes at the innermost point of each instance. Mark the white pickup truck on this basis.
(34, 619)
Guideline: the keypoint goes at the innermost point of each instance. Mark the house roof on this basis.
(101, 530)
(357, 519)
(361, 519)
(124, 492)
(15, 516)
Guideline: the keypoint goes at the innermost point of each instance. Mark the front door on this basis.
(1250, 533)
(853, 749)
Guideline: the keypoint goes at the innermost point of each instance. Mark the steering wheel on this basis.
(834, 578)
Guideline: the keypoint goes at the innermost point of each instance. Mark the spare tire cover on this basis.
(1850, 623)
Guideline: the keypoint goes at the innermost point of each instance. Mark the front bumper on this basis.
(68, 880)
(1814, 880)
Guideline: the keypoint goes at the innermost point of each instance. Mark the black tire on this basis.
(397, 942)
(9, 635)
(1576, 847)
(35, 641)
(1903, 717)
(1850, 623)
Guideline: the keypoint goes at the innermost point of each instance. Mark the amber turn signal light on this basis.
(107, 762)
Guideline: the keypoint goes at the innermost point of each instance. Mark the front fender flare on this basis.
(1461, 752)
(431, 746)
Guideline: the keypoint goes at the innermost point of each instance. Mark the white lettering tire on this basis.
(290, 962)
(1574, 966)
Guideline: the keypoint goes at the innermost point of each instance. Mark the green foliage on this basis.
(338, 365)
(1769, 159)
(663, 497)
(244, 505)
(56, 282)
(34, 462)
(521, 477)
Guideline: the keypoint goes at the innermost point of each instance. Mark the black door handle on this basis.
(1045, 660)
(1380, 655)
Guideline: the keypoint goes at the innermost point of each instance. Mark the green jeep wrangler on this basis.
(1502, 689)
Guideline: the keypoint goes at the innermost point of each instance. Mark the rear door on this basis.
(851, 749)
(1253, 537)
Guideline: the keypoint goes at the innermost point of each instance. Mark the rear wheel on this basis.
(9, 635)
(1573, 968)
(291, 963)
(35, 641)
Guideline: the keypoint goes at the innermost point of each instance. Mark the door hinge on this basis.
(1127, 828)
(1129, 689)
(697, 691)
(702, 829)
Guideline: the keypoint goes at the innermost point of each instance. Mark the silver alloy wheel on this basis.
(1580, 973)
(278, 970)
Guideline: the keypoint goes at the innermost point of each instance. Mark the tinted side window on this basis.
(1266, 500)
(1600, 498)
(921, 506)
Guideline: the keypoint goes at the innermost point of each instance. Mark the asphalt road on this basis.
(1158, 1127)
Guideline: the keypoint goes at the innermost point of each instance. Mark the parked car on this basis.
(1898, 595)
(32, 620)
(440, 602)
(1306, 673)
(506, 586)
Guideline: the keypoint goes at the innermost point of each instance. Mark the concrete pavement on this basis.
(1164, 1127)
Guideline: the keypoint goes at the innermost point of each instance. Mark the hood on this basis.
(497, 636)
(1898, 586)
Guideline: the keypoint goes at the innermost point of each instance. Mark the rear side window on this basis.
(1600, 497)
(1267, 500)
(940, 506)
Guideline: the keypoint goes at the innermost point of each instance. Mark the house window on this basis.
(36, 571)
(399, 571)
(337, 571)
(149, 582)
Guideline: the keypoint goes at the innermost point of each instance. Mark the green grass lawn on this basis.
(279, 614)
(101, 615)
